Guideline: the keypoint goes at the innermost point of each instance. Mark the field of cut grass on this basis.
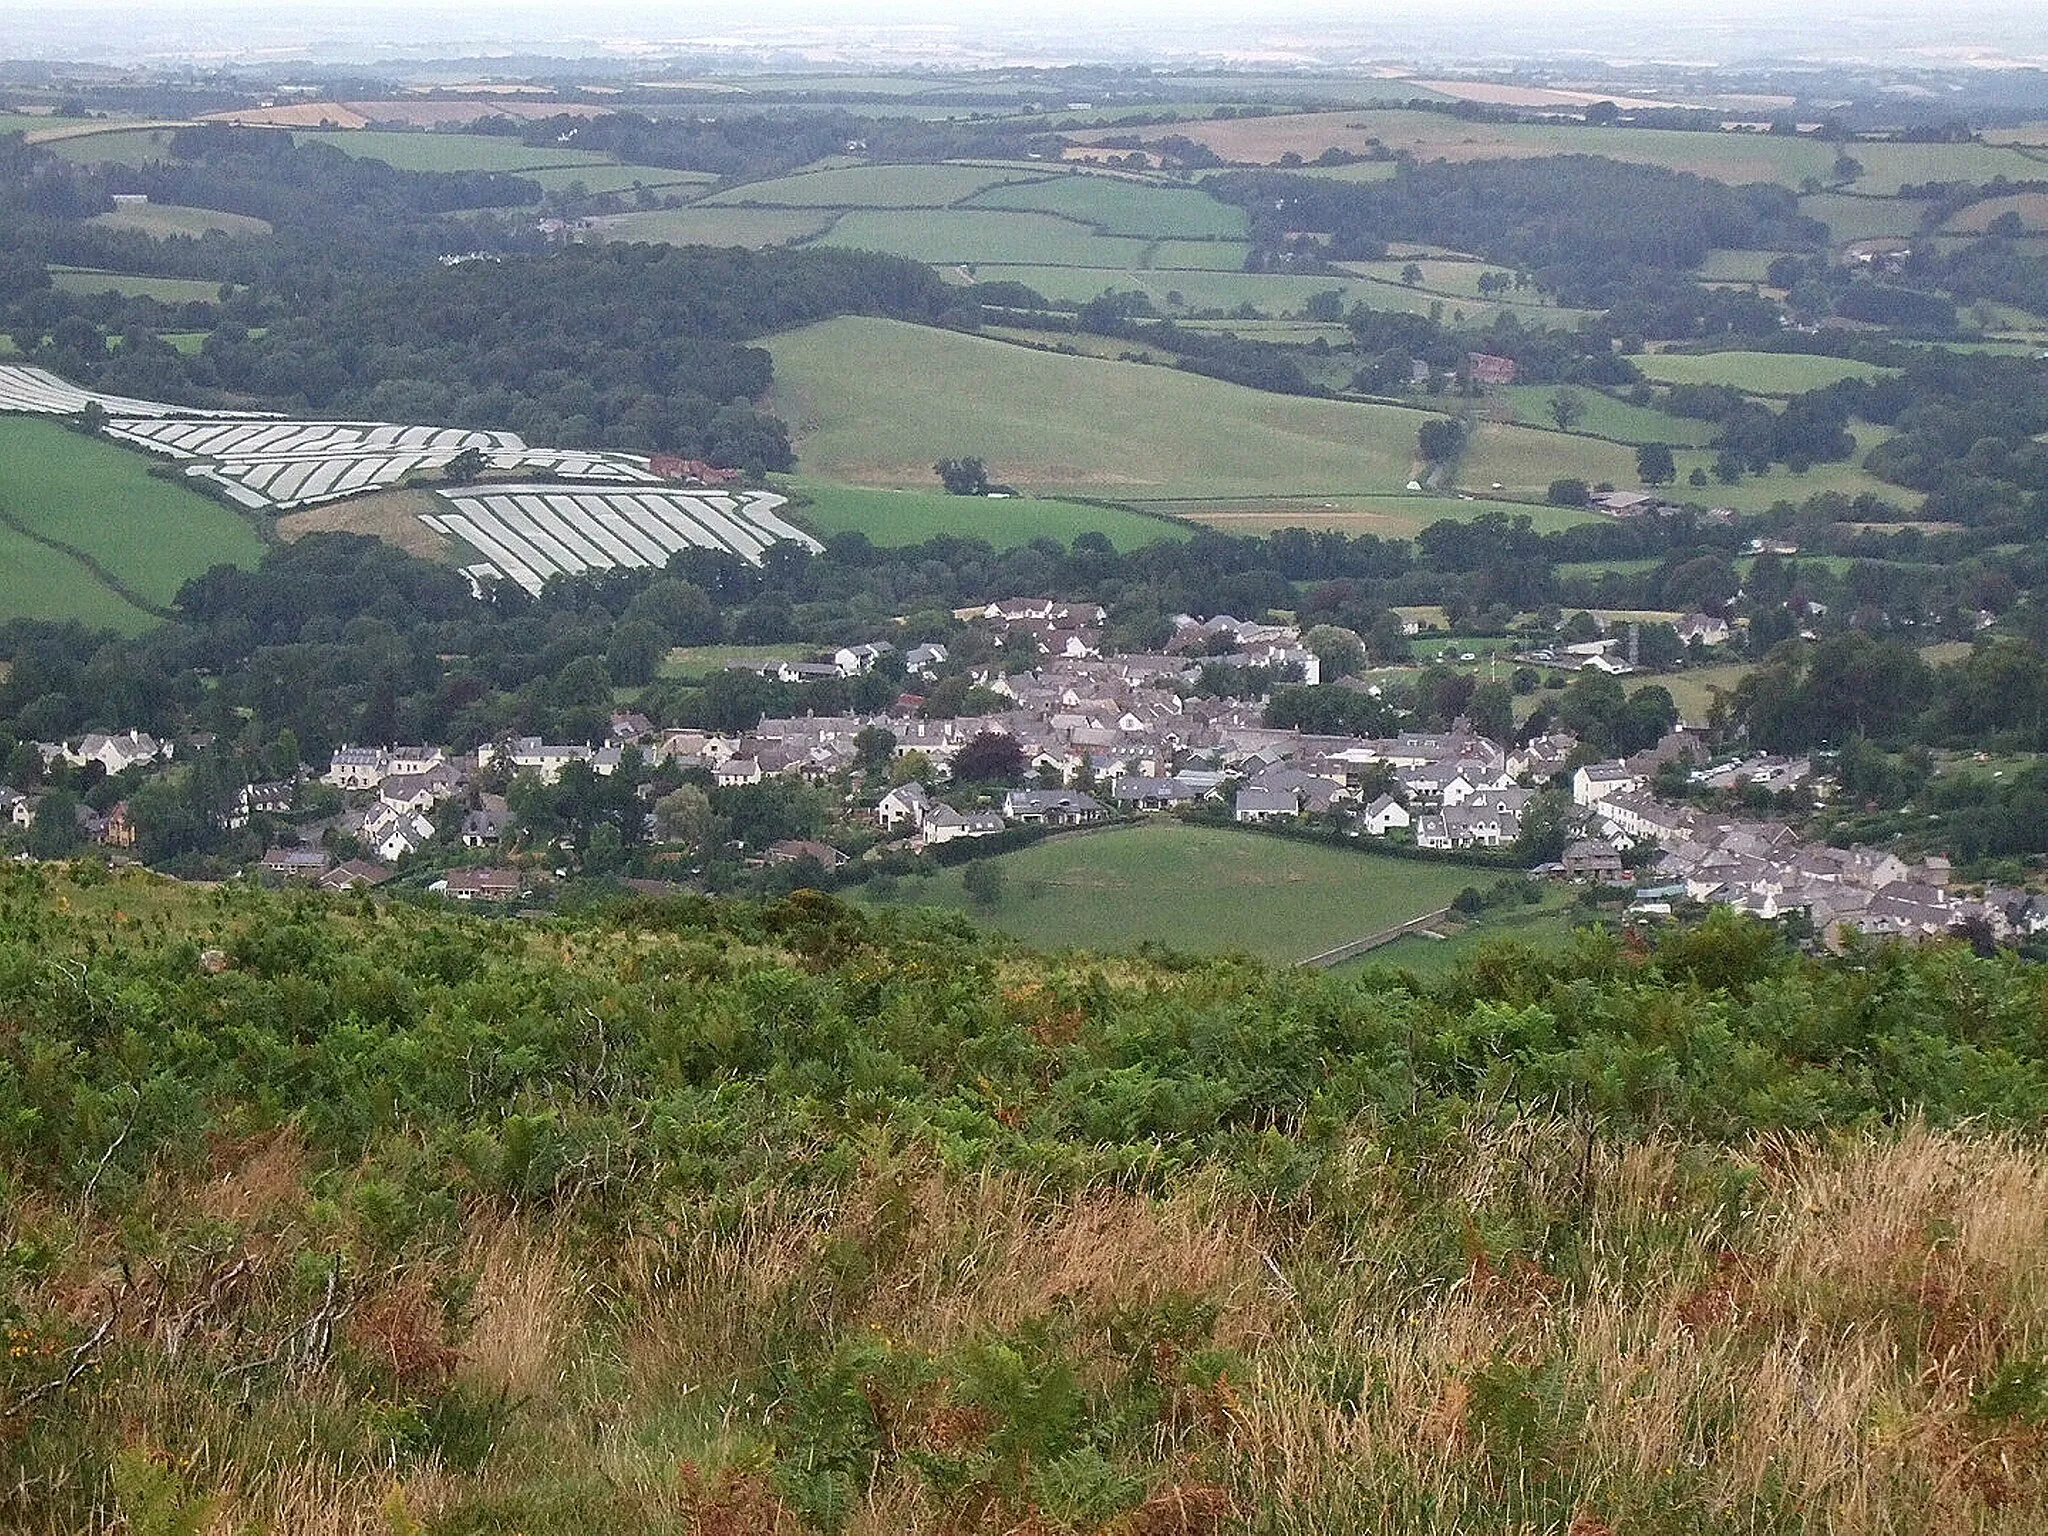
(1391, 517)
(1606, 416)
(429, 151)
(163, 220)
(1123, 208)
(1200, 888)
(876, 402)
(1737, 266)
(1523, 460)
(130, 146)
(149, 535)
(688, 661)
(1755, 373)
(969, 236)
(1759, 493)
(170, 290)
(753, 227)
(898, 517)
(866, 186)
(2032, 208)
(1861, 218)
(44, 583)
(1693, 690)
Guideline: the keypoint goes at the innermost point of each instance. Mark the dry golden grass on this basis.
(393, 516)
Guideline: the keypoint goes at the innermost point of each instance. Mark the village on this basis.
(1092, 739)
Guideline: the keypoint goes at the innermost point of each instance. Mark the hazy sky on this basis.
(212, 30)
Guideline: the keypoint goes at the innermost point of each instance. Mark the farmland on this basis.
(1755, 373)
(453, 151)
(46, 583)
(1605, 416)
(147, 536)
(867, 186)
(169, 290)
(1078, 425)
(753, 227)
(164, 220)
(899, 517)
(1200, 888)
(1388, 516)
(972, 236)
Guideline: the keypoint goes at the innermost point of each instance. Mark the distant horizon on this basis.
(1897, 34)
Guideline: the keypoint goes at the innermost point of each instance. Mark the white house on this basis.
(1596, 781)
(1384, 815)
(906, 803)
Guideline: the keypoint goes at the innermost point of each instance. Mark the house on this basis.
(1139, 793)
(396, 834)
(628, 726)
(301, 863)
(793, 850)
(1591, 859)
(1622, 503)
(530, 754)
(735, 771)
(357, 767)
(480, 884)
(271, 799)
(353, 875)
(485, 823)
(1052, 807)
(921, 660)
(853, 660)
(1596, 781)
(418, 791)
(1384, 815)
(115, 754)
(909, 803)
(1706, 628)
(117, 831)
(17, 808)
(943, 824)
(1256, 805)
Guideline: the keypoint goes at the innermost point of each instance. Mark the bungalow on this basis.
(1138, 793)
(943, 824)
(1052, 807)
(1591, 859)
(301, 863)
(114, 753)
(480, 884)
(794, 850)
(353, 875)
(1256, 805)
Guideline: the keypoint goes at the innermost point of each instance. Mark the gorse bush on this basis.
(701, 1217)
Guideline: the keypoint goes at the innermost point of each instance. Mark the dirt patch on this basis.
(393, 516)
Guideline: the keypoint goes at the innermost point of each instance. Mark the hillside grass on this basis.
(169, 290)
(877, 402)
(1605, 416)
(893, 518)
(969, 236)
(128, 146)
(1756, 373)
(45, 583)
(865, 186)
(435, 151)
(696, 225)
(1200, 889)
(1119, 207)
(162, 221)
(150, 535)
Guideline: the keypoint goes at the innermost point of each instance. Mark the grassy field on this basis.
(132, 146)
(1759, 493)
(968, 236)
(451, 151)
(45, 583)
(876, 402)
(1395, 516)
(717, 226)
(1523, 461)
(690, 661)
(149, 535)
(1123, 208)
(1756, 373)
(596, 179)
(1545, 927)
(1200, 888)
(1861, 218)
(163, 220)
(898, 517)
(1693, 690)
(1606, 416)
(867, 186)
(170, 290)
(2032, 208)
(1737, 266)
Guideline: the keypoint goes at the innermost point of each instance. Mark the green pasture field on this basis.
(599, 179)
(1575, 570)
(45, 583)
(1759, 493)
(688, 661)
(698, 225)
(1200, 888)
(1524, 460)
(1117, 207)
(168, 290)
(878, 401)
(972, 236)
(163, 220)
(1451, 279)
(1274, 295)
(1389, 516)
(1738, 266)
(149, 534)
(1198, 255)
(427, 151)
(893, 518)
(866, 186)
(1862, 218)
(1693, 690)
(1080, 343)
(1545, 927)
(1755, 373)
(2032, 208)
(1608, 417)
(186, 343)
(130, 146)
